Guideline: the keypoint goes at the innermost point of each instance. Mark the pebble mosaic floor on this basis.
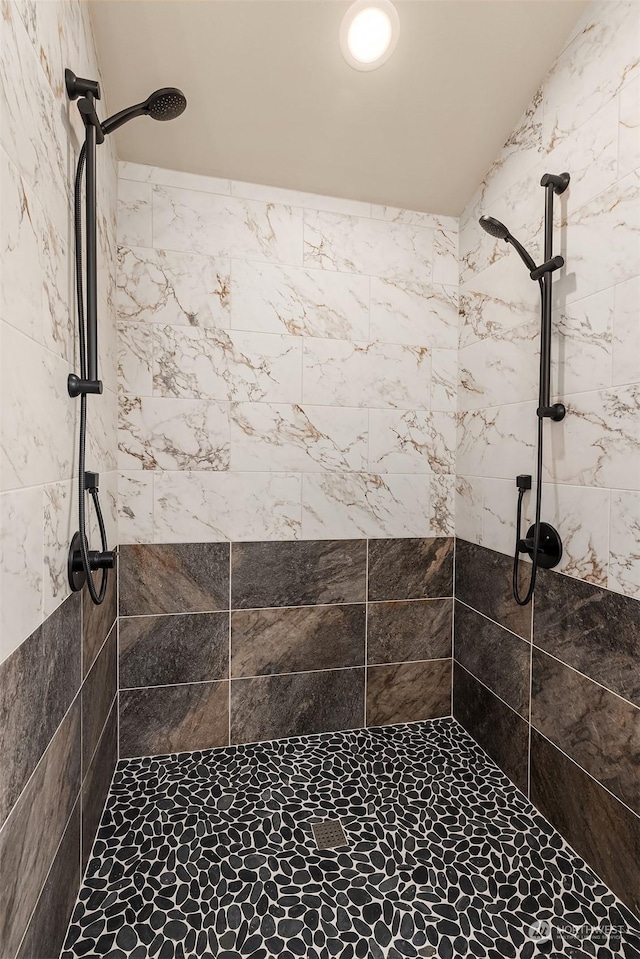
(211, 854)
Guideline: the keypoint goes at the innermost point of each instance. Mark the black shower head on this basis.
(494, 227)
(164, 104)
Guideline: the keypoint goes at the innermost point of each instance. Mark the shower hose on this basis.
(97, 595)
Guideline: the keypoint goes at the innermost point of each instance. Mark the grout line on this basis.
(494, 621)
(590, 679)
(492, 691)
(85, 772)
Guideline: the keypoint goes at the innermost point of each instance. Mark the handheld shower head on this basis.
(494, 227)
(164, 104)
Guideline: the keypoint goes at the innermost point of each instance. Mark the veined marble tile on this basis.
(498, 441)
(472, 245)
(469, 492)
(37, 426)
(212, 507)
(521, 152)
(102, 431)
(268, 298)
(344, 373)
(445, 257)
(444, 380)
(581, 344)
(226, 226)
(504, 369)
(624, 545)
(498, 299)
(411, 441)
(600, 61)
(215, 364)
(21, 564)
(626, 332)
(175, 178)
(135, 359)
(434, 221)
(442, 505)
(300, 438)
(353, 244)
(499, 502)
(415, 314)
(346, 505)
(521, 208)
(134, 213)
(21, 301)
(60, 523)
(162, 433)
(59, 331)
(309, 201)
(135, 506)
(161, 286)
(598, 443)
(629, 129)
(581, 516)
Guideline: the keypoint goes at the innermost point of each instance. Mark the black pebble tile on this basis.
(174, 578)
(167, 650)
(410, 568)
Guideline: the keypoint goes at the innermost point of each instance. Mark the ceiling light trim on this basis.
(387, 7)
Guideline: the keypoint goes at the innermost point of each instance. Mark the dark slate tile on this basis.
(46, 930)
(97, 780)
(501, 732)
(166, 650)
(98, 620)
(173, 719)
(600, 829)
(37, 684)
(275, 707)
(298, 573)
(98, 693)
(407, 692)
(596, 728)
(32, 833)
(401, 631)
(498, 658)
(590, 628)
(484, 582)
(410, 568)
(294, 639)
(174, 578)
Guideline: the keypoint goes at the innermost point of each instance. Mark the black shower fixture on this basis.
(542, 541)
(164, 104)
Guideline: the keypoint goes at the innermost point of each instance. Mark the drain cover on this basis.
(328, 833)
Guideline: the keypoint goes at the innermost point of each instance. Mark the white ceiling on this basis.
(272, 101)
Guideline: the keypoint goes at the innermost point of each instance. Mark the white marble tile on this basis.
(442, 505)
(472, 240)
(411, 441)
(173, 434)
(600, 61)
(629, 129)
(298, 438)
(268, 298)
(445, 257)
(109, 502)
(134, 213)
(503, 369)
(581, 516)
(444, 380)
(175, 178)
(203, 507)
(498, 299)
(354, 244)
(498, 441)
(344, 373)
(60, 523)
(226, 226)
(521, 152)
(598, 443)
(415, 314)
(102, 432)
(434, 221)
(161, 286)
(308, 201)
(135, 506)
(499, 504)
(37, 435)
(626, 333)
(624, 557)
(469, 492)
(21, 563)
(135, 359)
(59, 329)
(581, 344)
(21, 301)
(521, 208)
(350, 505)
(215, 364)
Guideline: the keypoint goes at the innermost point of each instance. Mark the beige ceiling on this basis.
(272, 101)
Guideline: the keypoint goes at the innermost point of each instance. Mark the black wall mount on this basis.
(549, 545)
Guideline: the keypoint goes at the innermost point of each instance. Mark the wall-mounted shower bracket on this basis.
(79, 87)
(555, 263)
(77, 386)
(549, 545)
(559, 181)
(557, 412)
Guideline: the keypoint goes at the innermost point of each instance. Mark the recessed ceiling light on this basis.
(369, 33)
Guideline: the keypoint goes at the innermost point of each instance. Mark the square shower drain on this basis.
(328, 833)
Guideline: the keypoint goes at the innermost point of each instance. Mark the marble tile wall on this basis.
(57, 667)
(287, 364)
(230, 643)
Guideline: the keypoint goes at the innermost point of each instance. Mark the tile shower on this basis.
(321, 406)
